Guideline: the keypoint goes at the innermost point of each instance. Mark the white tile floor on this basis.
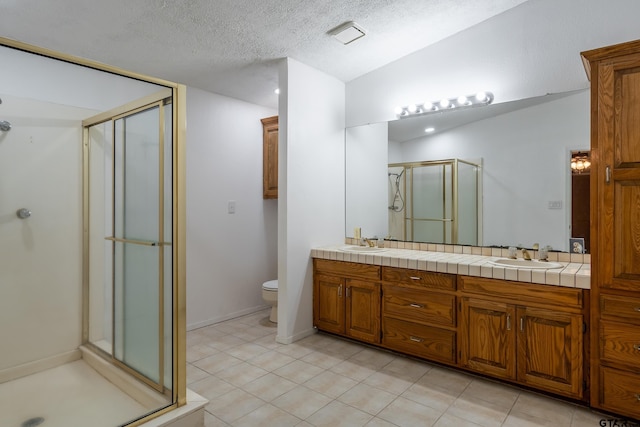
(322, 380)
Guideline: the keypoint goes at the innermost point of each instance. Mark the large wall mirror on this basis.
(522, 151)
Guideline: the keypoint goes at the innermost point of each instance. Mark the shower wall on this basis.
(40, 257)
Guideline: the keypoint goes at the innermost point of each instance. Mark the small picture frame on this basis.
(576, 245)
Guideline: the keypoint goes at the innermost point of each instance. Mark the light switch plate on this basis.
(231, 207)
(555, 204)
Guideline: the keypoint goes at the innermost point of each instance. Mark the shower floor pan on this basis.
(72, 394)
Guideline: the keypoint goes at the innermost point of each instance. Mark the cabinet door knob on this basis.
(636, 347)
(636, 309)
(416, 339)
(637, 397)
(416, 305)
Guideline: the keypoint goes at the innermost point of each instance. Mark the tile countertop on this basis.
(572, 275)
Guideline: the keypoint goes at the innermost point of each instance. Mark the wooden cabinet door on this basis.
(270, 157)
(617, 177)
(363, 310)
(488, 338)
(328, 303)
(550, 350)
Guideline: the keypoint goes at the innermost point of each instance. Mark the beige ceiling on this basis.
(232, 47)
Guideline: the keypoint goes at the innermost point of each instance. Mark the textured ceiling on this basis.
(232, 47)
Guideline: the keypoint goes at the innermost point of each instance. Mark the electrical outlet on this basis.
(231, 207)
(556, 204)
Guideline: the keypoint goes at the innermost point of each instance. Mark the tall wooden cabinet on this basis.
(270, 157)
(615, 227)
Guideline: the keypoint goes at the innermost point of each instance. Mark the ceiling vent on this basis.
(348, 32)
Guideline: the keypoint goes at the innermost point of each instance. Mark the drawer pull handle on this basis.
(636, 309)
(415, 278)
(636, 347)
(415, 305)
(637, 397)
(522, 324)
(508, 322)
(340, 291)
(416, 339)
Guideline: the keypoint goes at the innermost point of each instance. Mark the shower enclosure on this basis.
(435, 202)
(91, 244)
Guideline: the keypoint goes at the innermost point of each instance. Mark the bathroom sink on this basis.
(523, 263)
(362, 249)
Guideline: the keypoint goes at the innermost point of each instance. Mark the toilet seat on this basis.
(271, 285)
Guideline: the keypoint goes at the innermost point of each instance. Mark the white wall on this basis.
(229, 256)
(527, 51)
(41, 256)
(525, 165)
(367, 181)
(310, 186)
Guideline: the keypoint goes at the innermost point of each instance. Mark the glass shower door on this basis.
(130, 172)
(137, 243)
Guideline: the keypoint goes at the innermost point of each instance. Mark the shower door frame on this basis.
(158, 100)
(178, 111)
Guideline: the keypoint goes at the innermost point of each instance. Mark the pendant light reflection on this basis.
(580, 162)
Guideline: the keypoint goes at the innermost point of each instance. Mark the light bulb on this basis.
(398, 111)
(462, 100)
(428, 106)
(412, 108)
(277, 91)
(481, 96)
(444, 103)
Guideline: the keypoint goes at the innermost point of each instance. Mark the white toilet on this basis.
(270, 296)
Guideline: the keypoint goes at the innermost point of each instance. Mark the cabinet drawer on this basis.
(419, 340)
(419, 278)
(347, 269)
(520, 293)
(620, 391)
(419, 305)
(620, 343)
(617, 306)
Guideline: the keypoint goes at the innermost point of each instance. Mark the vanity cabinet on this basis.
(419, 313)
(614, 72)
(346, 299)
(270, 157)
(513, 331)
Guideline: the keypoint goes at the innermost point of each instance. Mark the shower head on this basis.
(5, 126)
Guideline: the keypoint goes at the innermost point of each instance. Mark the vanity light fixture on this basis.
(348, 32)
(277, 91)
(464, 101)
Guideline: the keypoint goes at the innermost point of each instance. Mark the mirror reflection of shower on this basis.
(397, 201)
(5, 126)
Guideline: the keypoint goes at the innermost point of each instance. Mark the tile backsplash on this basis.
(476, 250)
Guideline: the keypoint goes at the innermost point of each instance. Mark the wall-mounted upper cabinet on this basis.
(270, 157)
